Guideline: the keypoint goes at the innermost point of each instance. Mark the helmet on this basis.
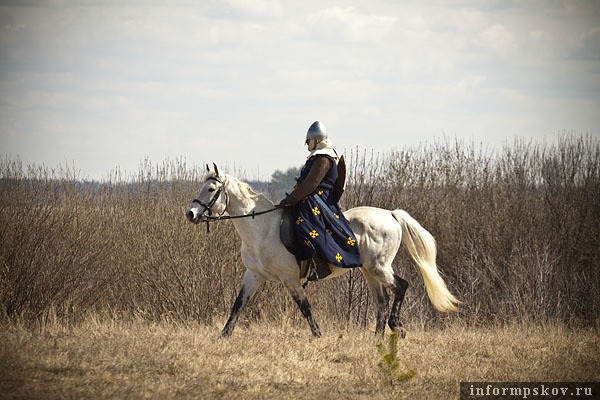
(316, 131)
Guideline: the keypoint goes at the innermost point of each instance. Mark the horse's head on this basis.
(211, 198)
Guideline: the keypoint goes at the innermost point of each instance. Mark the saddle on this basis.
(286, 231)
(311, 269)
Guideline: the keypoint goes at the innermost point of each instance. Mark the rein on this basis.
(213, 200)
(226, 217)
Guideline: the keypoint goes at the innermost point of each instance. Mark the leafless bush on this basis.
(517, 233)
(517, 230)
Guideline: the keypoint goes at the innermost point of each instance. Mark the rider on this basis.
(323, 234)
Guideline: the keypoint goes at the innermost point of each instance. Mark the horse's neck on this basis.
(244, 203)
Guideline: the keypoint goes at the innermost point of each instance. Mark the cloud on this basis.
(590, 44)
(108, 83)
(347, 23)
(499, 39)
(234, 33)
(468, 19)
(257, 8)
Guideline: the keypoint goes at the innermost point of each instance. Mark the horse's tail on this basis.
(421, 246)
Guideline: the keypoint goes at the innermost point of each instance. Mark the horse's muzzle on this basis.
(189, 215)
(193, 216)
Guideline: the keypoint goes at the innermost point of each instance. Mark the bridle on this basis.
(207, 207)
(207, 212)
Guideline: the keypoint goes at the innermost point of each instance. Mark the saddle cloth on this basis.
(288, 238)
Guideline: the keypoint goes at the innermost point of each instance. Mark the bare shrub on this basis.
(517, 233)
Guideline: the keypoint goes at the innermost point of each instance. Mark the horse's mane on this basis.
(248, 191)
(245, 189)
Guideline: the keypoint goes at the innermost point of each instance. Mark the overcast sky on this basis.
(105, 84)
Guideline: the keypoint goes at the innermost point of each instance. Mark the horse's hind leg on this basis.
(299, 295)
(249, 286)
(381, 302)
(399, 289)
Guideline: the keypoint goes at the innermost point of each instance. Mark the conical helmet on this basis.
(316, 131)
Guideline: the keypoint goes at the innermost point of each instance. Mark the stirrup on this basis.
(305, 268)
(319, 267)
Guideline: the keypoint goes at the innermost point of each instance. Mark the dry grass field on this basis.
(111, 359)
(106, 291)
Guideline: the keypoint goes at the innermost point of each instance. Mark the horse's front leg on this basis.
(250, 284)
(299, 296)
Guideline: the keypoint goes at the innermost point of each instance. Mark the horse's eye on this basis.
(211, 190)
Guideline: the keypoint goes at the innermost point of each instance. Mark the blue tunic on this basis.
(333, 241)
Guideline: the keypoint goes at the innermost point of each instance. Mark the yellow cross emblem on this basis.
(338, 257)
(299, 221)
(351, 241)
(313, 234)
(316, 210)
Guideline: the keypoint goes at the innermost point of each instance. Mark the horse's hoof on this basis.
(225, 333)
(401, 333)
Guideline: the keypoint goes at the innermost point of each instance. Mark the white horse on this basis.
(379, 234)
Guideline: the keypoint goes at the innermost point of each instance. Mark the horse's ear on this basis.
(216, 169)
(207, 168)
